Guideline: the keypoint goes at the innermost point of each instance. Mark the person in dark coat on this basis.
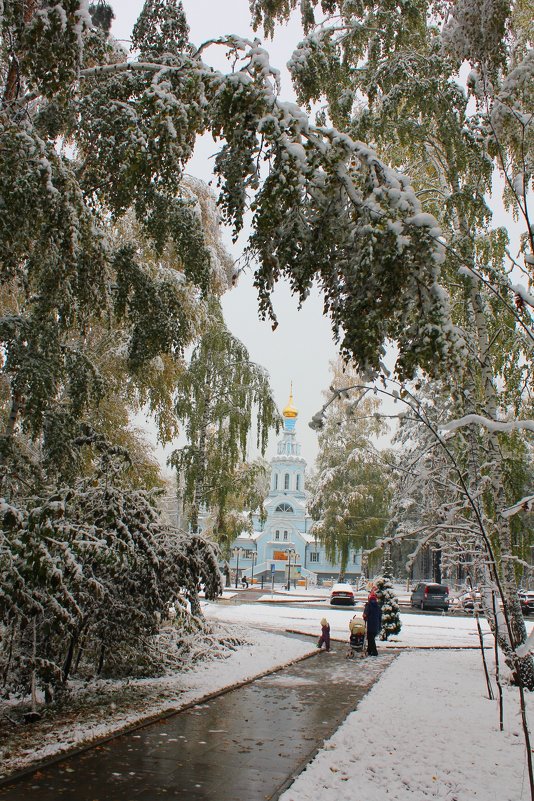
(372, 614)
(324, 639)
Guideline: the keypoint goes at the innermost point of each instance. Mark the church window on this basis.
(276, 480)
(283, 507)
(298, 482)
(286, 481)
(285, 535)
(314, 556)
(277, 535)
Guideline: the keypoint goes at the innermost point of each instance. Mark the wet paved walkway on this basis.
(241, 746)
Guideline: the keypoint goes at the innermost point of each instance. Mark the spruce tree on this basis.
(387, 599)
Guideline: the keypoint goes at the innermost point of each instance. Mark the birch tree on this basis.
(350, 495)
(394, 79)
(218, 399)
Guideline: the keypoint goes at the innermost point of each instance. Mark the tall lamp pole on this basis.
(289, 569)
(237, 566)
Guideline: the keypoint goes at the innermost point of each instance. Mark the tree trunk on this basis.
(10, 653)
(515, 634)
(80, 652)
(436, 560)
(34, 668)
(194, 600)
(12, 85)
(198, 497)
(10, 425)
(68, 659)
(101, 659)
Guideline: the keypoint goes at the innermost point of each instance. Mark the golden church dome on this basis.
(290, 410)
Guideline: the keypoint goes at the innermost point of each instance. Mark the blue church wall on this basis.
(286, 535)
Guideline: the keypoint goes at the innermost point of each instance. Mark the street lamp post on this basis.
(254, 555)
(288, 570)
(237, 550)
(289, 552)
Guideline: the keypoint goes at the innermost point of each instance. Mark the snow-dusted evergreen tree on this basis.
(349, 489)
(424, 490)
(430, 507)
(391, 622)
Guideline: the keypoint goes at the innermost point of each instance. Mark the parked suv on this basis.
(526, 599)
(428, 595)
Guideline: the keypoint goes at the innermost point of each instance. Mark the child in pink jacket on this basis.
(324, 639)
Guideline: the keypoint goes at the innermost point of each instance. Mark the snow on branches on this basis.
(93, 569)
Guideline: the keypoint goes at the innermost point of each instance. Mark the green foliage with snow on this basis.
(350, 487)
(89, 571)
(403, 79)
(218, 397)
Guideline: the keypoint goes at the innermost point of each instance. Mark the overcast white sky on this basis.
(301, 347)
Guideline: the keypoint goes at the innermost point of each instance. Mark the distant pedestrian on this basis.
(324, 639)
(372, 614)
(244, 582)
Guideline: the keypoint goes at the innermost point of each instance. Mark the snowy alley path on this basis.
(242, 745)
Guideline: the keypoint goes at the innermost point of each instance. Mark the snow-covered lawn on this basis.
(417, 629)
(424, 731)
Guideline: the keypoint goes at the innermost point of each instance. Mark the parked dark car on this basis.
(526, 599)
(428, 595)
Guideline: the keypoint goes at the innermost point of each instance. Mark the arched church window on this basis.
(276, 480)
(286, 481)
(283, 507)
(298, 482)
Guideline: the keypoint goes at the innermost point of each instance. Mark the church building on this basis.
(284, 547)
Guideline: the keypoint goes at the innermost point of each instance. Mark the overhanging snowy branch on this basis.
(526, 504)
(496, 426)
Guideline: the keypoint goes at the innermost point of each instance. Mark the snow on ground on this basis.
(123, 704)
(417, 629)
(424, 731)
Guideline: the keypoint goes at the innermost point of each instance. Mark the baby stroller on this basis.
(357, 638)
